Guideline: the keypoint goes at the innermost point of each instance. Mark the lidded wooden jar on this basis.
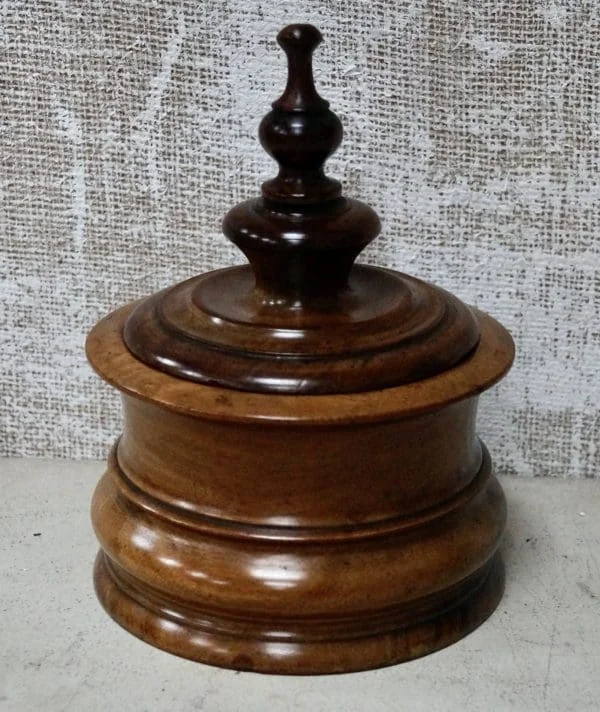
(299, 487)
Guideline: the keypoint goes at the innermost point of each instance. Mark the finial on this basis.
(300, 132)
(299, 42)
(302, 236)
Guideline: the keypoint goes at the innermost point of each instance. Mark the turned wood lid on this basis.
(302, 318)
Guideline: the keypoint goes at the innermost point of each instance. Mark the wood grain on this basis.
(298, 534)
(302, 319)
(299, 487)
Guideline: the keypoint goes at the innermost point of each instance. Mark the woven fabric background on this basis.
(128, 128)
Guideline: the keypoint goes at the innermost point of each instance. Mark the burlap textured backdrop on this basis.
(128, 129)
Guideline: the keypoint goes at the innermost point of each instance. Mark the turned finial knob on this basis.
(300, 132)
(299, 42)
(301, 237)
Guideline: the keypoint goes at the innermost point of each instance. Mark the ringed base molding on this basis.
(209, 643)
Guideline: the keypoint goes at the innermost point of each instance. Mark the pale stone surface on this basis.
(540, 651)
(127, 128)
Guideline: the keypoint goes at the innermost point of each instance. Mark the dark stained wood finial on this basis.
(300, 132)
(299, 42)
(302, 236)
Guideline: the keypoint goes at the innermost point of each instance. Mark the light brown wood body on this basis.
(302, 534)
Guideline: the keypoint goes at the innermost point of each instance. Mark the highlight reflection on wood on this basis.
(272, 507)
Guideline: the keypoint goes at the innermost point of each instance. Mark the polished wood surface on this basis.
(302, 318)
(115, 363)
(219, 552)
(299, 487)
(298, 534)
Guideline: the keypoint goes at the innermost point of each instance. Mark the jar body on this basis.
(298, 534)
(291, 548)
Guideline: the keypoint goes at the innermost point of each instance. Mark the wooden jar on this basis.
(299, 487)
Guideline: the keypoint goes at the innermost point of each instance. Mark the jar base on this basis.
(203, 643)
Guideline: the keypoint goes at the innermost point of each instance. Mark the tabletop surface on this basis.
(59, 651)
